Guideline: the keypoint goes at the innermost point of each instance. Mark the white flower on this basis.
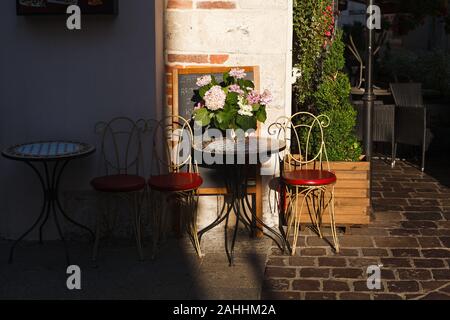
(244, 108)
(215, 98)
(204, 81)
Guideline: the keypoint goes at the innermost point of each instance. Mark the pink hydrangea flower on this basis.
(266, 98)
(238, 73)
(236, 88)
(204, 81)
(253, 97)
(215, 98)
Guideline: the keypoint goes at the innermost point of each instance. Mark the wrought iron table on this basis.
(53, 156)
(235, 159)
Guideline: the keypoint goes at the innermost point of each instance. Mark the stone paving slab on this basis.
(409, 236)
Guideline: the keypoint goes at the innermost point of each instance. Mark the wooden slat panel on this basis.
(351, 175)
(342, 220)
(353, 184)
(351, 193)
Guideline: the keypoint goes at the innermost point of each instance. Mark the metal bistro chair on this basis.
(121, 151)
(306, 178)
(410, 118)
(176, 177)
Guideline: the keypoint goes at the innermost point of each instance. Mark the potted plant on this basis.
(232, 104)
(323, 88)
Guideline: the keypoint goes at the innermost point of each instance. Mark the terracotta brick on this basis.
(396, 242)
(320, 296)
(216, 5)
(405, 252)
(441, 274)
(429, 263)
(362, 262)
(429, 242)
(436, 253)
(362, 286)
(356, 241)
(335, 286)
(179, 4)
(414, 274)
(347, 273)
(188, 58)
(396, 262)
(436, 296)
(345, 252)
(279, 262)
(354, 296)
(421, 216)
(445, 241)
(276, 284)
(302, 261)
(276, 272)
(332, 262)
(218, 58)
(314, 273)
(306, 285)
(313, 252)
(375, 252)
(403, 286)
(387, 296)
(419, 225)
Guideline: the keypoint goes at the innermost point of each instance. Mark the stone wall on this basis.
(233, 33)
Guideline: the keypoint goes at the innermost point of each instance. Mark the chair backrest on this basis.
(407, 94)
(172, 145)
(303, 133)
(121, 145)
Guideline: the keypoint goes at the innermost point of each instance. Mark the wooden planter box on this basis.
(352, 195)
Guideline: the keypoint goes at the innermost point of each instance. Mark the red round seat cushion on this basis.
(309, 177)
(118, 183)
(173, 182)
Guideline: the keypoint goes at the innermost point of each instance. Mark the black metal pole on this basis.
(369, 97)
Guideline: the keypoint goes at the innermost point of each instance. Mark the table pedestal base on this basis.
(49, 180)
(236, 178)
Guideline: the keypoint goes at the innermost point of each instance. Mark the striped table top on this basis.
(48, 150)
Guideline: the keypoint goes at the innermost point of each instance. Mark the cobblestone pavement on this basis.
(409, 236)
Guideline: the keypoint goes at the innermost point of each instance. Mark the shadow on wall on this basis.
(56, 84)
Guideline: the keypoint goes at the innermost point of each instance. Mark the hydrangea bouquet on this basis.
(232, 104)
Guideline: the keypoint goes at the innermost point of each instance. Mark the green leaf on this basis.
(256, 107)
(202, 116)
(232, 98)
(202, 91)
(248, 84)
(245, 122)
(261, 115)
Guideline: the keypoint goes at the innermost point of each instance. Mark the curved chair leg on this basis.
(333, 222)
(192, 223)
(97, 228)
(137, 224)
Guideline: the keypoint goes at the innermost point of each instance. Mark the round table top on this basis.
(48, 151)
(247, 146)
